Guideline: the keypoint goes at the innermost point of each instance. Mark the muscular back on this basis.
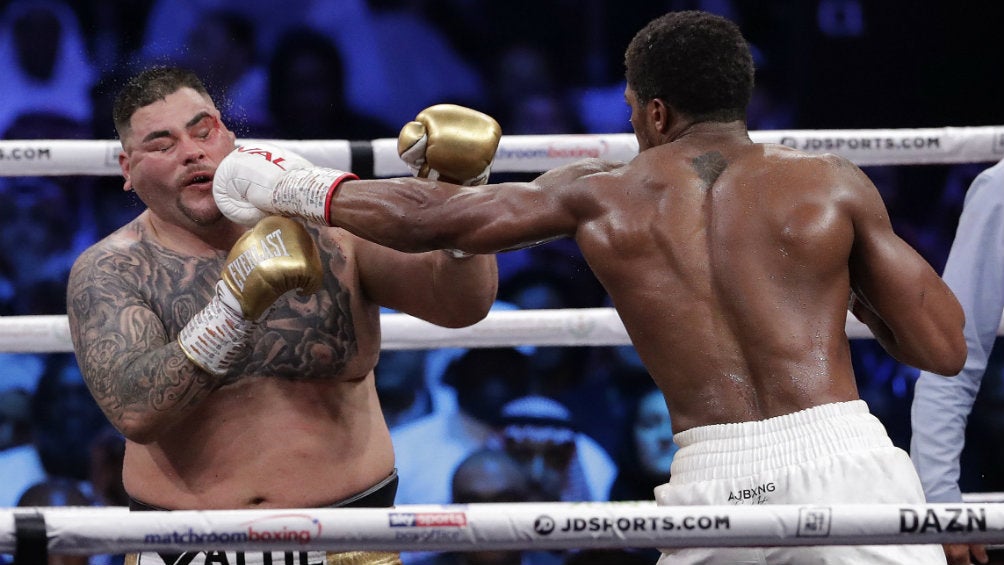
(729, 264)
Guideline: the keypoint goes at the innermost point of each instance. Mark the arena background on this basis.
(545, 67)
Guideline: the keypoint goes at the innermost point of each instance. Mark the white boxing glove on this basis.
(260, 180)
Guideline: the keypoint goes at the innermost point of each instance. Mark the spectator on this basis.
(105, 472)
(491, 476)
(401, 386)
(563, 465)
(390, 47)
(306, 92)
(20, 465)
(169, 23)
(429, 449)
(647, 452)
(57, 492)
(221, 47)
(975, 272)
(66, 419)
(43, 61)
(37, 235)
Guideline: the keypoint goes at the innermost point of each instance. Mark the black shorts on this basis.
(380, 495)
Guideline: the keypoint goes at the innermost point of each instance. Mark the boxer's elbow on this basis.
(471, 293)
(136, 428)
(954, 357)
(946, 355)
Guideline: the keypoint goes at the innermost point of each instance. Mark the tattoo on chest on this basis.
(709, 166)
(129, 300)
(300, 338)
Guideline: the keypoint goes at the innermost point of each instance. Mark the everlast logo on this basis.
(276, 160)
(269, 247)
(950, 520)
(755, 495)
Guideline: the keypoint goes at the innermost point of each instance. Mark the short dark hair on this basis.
(149, 86)
(696, 62)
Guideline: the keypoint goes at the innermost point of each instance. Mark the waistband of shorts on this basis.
(380, 495)
(746, 448)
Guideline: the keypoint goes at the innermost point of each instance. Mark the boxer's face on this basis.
(170, 155)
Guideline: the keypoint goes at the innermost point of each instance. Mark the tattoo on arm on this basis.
(122, 341)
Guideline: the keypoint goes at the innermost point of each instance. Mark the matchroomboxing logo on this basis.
(555, 151)
(300, 528)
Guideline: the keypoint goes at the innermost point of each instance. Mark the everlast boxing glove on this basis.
(276, 256)
(259, 180)
(450, 143)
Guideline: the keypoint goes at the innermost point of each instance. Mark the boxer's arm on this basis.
(416, 215)
(909, 308)
(140, 378)
(432, 286)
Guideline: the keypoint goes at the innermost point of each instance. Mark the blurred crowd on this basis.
(503, 424)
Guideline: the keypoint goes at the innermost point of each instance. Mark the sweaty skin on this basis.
(730, 263)
(296, 422)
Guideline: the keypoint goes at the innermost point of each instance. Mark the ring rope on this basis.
(537, 153)
(499, 526)
(503, 328)
(566, 327)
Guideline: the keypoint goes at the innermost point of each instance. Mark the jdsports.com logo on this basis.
(546, 525)
(543, 525)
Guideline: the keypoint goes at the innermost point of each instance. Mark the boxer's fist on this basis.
(260, 180)
(246, 178)
(450, 143)
(275, 256)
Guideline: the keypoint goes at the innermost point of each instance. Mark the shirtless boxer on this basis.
(229, 394)
(731, 263)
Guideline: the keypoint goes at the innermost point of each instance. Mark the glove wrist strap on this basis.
(215, 335)
(307, 193)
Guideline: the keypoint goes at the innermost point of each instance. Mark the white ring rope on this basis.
(537, 153)
(520, 153)
(504, 328)
(479, 527)
(567, 327)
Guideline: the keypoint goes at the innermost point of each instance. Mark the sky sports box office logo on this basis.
(428, 520)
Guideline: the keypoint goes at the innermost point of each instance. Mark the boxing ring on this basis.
(34, 531)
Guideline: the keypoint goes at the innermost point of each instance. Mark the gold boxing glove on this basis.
(364, 558)
(274, 257)
(450, 143)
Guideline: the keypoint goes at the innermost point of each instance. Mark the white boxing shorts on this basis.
(830, 454)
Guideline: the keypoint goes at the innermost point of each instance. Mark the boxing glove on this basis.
(450, 143)
(274, 257)
(258, 180)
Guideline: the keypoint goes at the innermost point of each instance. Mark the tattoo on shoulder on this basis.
(709, 166)
(126, 301)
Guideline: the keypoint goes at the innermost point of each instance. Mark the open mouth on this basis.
(200, 179)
